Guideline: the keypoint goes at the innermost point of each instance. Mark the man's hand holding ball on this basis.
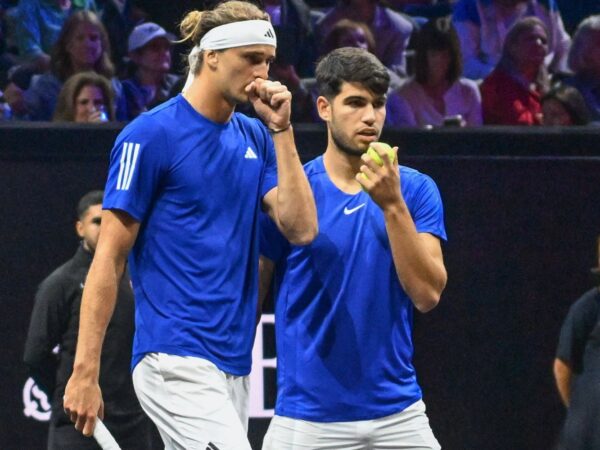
(379, 175)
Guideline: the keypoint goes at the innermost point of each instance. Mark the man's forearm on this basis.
(296, 210)
(421, 273)
(97, 306)
(563, 375)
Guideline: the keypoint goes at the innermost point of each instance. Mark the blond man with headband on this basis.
(185, 186)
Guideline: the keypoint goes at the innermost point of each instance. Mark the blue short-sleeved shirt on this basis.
(195, 186)
(343, 322)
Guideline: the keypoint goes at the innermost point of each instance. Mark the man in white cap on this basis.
(185, 186)
(149, 48)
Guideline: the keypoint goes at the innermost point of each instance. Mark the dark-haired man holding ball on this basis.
(344, 303)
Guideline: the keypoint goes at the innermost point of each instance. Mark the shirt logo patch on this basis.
(250, 154)
(348, 211)
(129, 156)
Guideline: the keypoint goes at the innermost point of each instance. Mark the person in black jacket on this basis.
(577, 369)
(52, 338)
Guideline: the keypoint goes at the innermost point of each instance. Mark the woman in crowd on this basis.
(512, 94)
(151, 83)
(437, 91)
(391, 29)
(86, 97)
(349, 33)
(482, 27)
(584, 61)
(564, 106)
(82, 46)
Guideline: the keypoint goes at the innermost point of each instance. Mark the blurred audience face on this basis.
(531, 47)
(89, 104)
(85, 45)
(155, 56)
(349, 33)
(354, 37)
(438, 63)
(555, 114)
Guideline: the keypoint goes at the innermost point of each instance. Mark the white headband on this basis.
(238, 34)
(231, 35)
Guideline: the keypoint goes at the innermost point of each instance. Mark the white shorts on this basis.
(193, 404)
(408, 429)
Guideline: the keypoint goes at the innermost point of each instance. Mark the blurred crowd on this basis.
(452, 63)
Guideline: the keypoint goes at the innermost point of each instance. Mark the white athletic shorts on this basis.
(408, 429)
(194, 405)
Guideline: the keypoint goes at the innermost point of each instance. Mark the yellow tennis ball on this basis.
(375, 156)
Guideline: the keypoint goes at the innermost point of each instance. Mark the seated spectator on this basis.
(511, 94)
(150, 53)
(39, 25)
(564, 106)
(82, 46)
(437, 92)
(345, 33)
(482, 27)
(348, 33)
(86, 97)
(392, 29)
(584, 61)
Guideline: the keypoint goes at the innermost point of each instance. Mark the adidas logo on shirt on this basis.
(269, 34)
(250, 154)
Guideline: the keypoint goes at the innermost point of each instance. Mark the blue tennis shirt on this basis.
(343, 322)
(196, 187)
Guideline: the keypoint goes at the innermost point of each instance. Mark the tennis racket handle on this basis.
(103, 437)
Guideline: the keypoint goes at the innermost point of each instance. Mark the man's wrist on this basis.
(395, 209)
(275, 130)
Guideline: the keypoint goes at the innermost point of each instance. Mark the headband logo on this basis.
(269, 34)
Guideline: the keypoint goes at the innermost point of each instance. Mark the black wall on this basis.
(522, 217)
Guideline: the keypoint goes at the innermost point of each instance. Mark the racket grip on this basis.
(103, 437)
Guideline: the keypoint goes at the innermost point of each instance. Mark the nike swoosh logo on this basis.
(348, 211)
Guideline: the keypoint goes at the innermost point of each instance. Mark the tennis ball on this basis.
(375, 156)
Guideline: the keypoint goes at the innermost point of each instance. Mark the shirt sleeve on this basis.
(28, 29)
(575, 330)
(49, 319)
(273, 245)
(428, 212)
(138, 162)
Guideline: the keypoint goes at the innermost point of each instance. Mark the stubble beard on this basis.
(344, 144)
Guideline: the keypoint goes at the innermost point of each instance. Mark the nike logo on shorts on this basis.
(348, 211)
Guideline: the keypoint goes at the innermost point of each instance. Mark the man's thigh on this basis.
(189, 400)
(408, 430)
(285, 433)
